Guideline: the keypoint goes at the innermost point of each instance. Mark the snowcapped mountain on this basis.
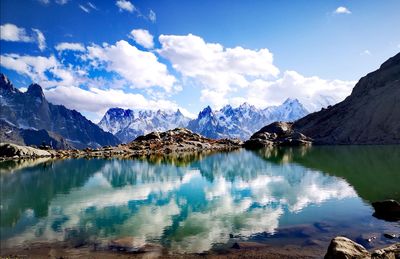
(129, 124)
(244, 120)
(229, 122)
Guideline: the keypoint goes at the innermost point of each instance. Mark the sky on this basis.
(173, 54)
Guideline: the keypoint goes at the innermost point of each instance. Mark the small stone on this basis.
(390, 236)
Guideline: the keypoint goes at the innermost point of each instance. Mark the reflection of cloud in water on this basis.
(243, 195)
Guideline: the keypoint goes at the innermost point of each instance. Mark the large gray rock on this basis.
(11, 150)
(344, 248)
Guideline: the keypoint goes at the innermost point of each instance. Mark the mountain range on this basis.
(128, 124)
(228, 122)
(28, 118)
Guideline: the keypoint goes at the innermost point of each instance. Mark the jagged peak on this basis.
(35, 90)
(291, 101)
(5, 83)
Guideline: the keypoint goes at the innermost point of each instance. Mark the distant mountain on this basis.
(244, 120)
(370, 115)
(128, 124)
(30, 110)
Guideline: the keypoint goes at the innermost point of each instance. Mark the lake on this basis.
(194, 203)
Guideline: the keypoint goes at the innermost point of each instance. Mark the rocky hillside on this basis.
(28, 137)
(370, 115)
(30, 110)
(128, 124)
(244, 120)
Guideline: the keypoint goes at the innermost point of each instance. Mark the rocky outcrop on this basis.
(18, 152)
(31, 110)
(277, 133)
(344, 248)
(370, 115)
(388, 210)
(180, 140)
(176, 141)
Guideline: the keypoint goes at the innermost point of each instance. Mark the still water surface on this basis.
(197, 202)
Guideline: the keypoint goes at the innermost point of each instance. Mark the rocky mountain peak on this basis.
(206, 111)
(5, 83)
(35, 90)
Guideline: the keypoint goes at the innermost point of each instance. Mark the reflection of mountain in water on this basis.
(188, 205)
(371, 170)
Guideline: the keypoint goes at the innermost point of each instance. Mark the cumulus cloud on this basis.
(99, 100)
(141, 68)
(313, 92)
(125, 5)
(143, 38)
(219, 70)
(37, 69)
(11, 32)
(64, 46)
(342, 10)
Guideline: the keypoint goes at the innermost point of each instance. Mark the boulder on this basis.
(387, 210)
(277, 133)
(390, 252)
(12, 150)
(344, 248)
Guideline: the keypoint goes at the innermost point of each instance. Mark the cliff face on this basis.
(370, 115)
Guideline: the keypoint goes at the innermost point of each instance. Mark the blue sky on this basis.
(188, 54)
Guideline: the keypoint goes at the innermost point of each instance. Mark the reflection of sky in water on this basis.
(187, 208)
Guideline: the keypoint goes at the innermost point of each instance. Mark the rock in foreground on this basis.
(277, 133)
(16, 151)
(344, 248)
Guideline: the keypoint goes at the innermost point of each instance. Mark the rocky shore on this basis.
(178, 140)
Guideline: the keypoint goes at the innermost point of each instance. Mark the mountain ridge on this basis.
(31, 110)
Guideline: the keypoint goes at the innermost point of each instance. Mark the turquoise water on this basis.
(197, 202)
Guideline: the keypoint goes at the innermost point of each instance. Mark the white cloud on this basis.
(141, 68)
(92, 6)
(44, 1)
(85, 9)
(125, 5)
(11, 32)
(342, 10)
(143, 38)
(63, 46)
(152, 16)
(365, 53)
(313, 92)
(61, 2)
(41, 40)
(99, 101)
(36, 68)
(217, 69)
